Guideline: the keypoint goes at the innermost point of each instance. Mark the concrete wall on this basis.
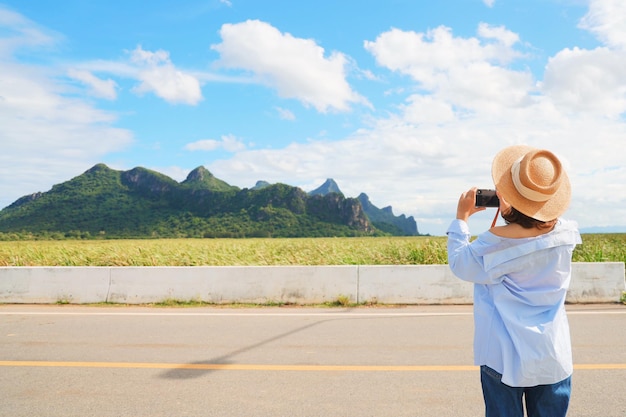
(416, 284)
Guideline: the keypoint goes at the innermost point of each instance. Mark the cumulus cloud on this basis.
(458, 101)
(158, 75)
(229, 143)
(591, 81)
(470, 104)
(297, 68)
(421, 169)
(503, 37)
(468, 72)
(421, 109)
(607, 20)
(153, 70)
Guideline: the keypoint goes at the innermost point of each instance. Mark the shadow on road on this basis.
(189, 373)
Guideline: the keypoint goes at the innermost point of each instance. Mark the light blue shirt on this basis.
(520, 326)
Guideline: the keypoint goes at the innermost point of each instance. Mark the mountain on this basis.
(385, 220)
(604, 229)
(142, 203)
(330, 186)
(261, 184)
(201, 178)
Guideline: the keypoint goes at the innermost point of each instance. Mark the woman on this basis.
(521, 273)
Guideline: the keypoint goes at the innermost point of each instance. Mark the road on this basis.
(409, 361)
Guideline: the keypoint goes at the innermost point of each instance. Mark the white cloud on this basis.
(155, 73)
(158, 75)
(100, 88)
(427, 110)
(229, 143)
(21, 32)
(423, 55)
(420, 159)
(463, 101)
(203, 145)
(468, 72)
(590, 81)
(421, 169)
(502, 35)
(489, 3)
(607, 20)
(295, 67)
(46, 136)
(285, 114)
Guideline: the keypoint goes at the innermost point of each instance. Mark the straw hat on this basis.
(533, 181)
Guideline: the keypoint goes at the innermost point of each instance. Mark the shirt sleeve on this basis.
(463, 260)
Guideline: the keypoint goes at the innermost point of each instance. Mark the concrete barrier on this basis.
(412, 284)
(230, 284)
(44, 285)
(595, 282)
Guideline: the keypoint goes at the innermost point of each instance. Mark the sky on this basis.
(407, 101)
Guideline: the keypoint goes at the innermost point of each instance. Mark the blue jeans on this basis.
(541, 401)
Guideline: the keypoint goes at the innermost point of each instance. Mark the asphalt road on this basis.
(411, 361)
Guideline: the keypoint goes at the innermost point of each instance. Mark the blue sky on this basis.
(406, 101)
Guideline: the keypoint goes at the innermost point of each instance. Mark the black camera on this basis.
(487, 198)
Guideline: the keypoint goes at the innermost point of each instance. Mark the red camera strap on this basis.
(495, 218)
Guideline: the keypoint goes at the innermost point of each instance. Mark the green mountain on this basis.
(382, 219)
(330, 186)
(385, 220)
(141, 203)
(201, 178)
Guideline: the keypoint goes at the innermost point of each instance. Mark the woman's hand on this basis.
(467, 205)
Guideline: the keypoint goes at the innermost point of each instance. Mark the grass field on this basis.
(306, 251)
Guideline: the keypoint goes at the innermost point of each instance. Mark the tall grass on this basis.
(224, 252)
(607, 247)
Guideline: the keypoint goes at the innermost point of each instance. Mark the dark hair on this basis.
(527, 222)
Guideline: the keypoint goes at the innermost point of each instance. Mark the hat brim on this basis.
(543, 211)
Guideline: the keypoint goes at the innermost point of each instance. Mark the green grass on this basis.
(222, 252)
(608, 247)
(236, 252)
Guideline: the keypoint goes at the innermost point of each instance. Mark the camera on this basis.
(487, 198)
